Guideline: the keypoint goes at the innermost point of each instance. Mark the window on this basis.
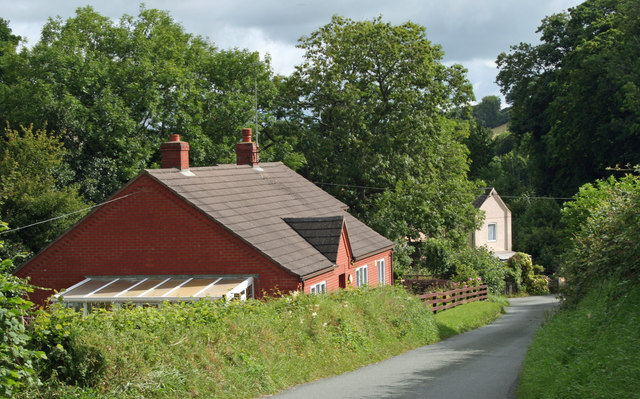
(492, 232)
(381, 271)
(319, 288)
(362, 276)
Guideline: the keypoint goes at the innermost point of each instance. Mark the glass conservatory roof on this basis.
(155, 289)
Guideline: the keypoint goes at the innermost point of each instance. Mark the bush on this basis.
(539, 285)
(16, 359)
(479, 262)
(56, 332)
(522, 273)
(605, 241)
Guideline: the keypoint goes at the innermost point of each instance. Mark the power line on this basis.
(65, 215)
(351, 186)
(392, 189)
(528, 197)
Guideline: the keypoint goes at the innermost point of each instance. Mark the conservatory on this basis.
(105, 291)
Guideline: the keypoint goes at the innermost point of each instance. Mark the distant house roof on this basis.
(480, 199)
(490, 192)
(276, 211)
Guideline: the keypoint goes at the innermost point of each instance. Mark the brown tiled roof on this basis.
(253, 204)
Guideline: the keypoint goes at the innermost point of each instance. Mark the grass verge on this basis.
(468, 317)
(212, 349)
(589, 351)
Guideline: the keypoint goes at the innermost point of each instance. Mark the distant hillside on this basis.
(500, 129)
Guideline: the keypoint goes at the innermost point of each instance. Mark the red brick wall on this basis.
(152, 232)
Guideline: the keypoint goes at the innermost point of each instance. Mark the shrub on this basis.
(539, 285)
(605, 241)
(16, 359)
(479, 262)
(55, 332)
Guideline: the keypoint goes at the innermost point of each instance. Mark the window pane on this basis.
(492, 232)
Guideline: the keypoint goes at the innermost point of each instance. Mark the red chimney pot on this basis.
(246, 135)
(247, 152)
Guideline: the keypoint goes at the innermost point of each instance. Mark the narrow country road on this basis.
(483, 363)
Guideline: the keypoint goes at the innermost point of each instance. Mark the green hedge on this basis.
(239, 349)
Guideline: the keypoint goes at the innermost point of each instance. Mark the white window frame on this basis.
(362, 276)
(382, 275)
(319, 288)
(495, 232)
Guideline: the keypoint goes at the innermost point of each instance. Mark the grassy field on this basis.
(239, 349)
(500, 129)
(590, 351)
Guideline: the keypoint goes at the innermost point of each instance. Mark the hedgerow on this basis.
(236, 349)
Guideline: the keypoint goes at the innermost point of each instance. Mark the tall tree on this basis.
(489, 112)
(35, 185)
(576, 95)
(115, 91)
(374, 107)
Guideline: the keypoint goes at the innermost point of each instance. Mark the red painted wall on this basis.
(344, 266)
(152, 232)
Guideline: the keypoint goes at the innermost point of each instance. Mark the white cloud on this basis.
(284, 56)
(471, 32)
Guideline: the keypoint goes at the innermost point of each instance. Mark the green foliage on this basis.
(34, 186)
(69, 361)
(539, 285)
(16, 358)
(537, 228)
(479, 262)
(522, 272)
(374, 107)
(236, 349)
(480, 145)
(605, 240)
(489, 112)
(115, 91)
(575, 95)
(8, 41)
(590, 350)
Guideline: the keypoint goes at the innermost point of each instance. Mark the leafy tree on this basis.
(115, 91)
(374, 107)
(480, 145)
(489, 113)
(8, 41)
(575, 95)
(34, 186)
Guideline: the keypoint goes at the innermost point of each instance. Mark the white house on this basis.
(495, 232)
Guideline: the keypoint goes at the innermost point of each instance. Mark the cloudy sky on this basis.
(471, 32)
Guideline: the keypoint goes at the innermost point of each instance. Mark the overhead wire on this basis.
(318, 183)
(391, 189)
(65, 215)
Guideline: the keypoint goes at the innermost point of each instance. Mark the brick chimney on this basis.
(247, 152)
(175, 153)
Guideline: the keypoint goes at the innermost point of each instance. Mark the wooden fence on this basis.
(452, 298)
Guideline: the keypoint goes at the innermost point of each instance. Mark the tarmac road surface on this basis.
(483, 363)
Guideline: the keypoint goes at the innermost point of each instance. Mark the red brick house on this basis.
(178, 231)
